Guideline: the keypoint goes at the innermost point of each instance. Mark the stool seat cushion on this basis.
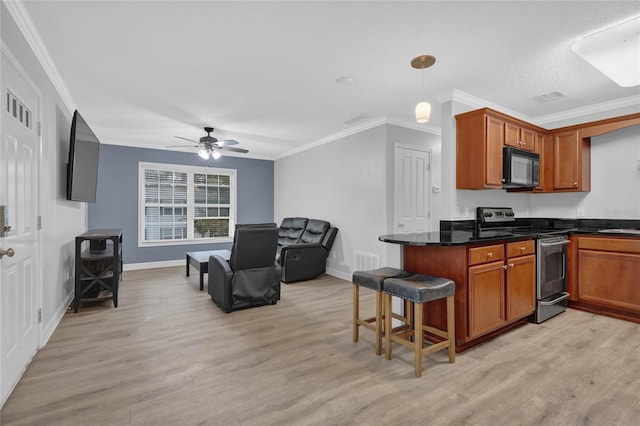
(375, 278)
(420, 288)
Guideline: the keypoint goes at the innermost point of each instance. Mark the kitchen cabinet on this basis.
(565, 153)
(519, 137)
(571, 162)
(495, 286)
(607, 276)
(480, 137)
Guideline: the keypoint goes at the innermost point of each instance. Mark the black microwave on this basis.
(520, 169)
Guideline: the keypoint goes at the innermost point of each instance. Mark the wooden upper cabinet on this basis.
(519, 137)
(571, 162)
(479, 142)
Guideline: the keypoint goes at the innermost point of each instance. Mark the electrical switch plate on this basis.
(466, 212)
(580, 212)
(456, 211)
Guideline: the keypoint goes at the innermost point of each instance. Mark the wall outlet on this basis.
(580, 212)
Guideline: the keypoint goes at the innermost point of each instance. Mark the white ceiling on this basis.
(264, 72)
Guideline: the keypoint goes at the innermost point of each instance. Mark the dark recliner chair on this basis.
(250, 277)
(303, 247)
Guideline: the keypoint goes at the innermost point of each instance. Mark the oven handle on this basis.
(559, 243)
(564, 296)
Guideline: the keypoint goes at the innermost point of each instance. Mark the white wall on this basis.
(349, 182)
(61, 219)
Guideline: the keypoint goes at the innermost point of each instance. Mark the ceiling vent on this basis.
(552, 96)
(355, 119)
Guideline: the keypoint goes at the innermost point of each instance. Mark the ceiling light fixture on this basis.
(615, 52)
(216, 154)
(423, 109)
(204, 153)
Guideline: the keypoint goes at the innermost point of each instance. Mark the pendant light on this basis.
(423, 109)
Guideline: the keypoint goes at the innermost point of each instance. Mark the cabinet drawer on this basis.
(485, 254)
(520, 248)
(628, 245)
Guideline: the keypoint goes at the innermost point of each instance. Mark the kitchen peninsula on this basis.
(495, 272)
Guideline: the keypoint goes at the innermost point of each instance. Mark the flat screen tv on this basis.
(82, 170)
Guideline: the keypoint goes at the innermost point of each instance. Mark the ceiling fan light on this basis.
(423, 112)
(204, 154)
(216, 154)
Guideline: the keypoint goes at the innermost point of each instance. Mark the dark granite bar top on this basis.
(451, 238)
(463, 232)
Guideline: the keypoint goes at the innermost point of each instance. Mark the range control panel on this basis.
(495, 215)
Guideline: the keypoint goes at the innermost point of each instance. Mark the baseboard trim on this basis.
(152, 265)
(47, 331)
(339, 274)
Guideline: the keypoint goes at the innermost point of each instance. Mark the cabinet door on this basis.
(527, 140)
(566, 160)
(486, 298)
(609, 279)
(521, 286)
(493, 154)
(512, 135)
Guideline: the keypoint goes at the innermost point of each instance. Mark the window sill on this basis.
(167, 243)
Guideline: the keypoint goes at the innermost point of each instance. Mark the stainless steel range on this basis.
(551, 257)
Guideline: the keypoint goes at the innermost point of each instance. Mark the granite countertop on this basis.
(460, 237)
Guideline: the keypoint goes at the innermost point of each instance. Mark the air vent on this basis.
(355, 119)
(18, 110)
(552, 96)
(366, 261)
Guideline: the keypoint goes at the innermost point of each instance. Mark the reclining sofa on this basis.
(303, 247)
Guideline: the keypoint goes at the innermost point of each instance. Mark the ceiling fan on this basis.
(210, 146)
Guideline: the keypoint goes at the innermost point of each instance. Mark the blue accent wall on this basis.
(116, 203)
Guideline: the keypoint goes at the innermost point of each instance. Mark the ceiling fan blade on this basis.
(190, 140)
(182, 146)
(225, 148)
(227, 142)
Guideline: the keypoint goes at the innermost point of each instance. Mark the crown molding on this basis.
(475, 102)
(336, 136)
(426, 128)
(22, 19)
(591, 109)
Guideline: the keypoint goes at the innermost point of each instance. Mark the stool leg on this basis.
(417, 338)
(451, 329)
(356, 309)
(378, 322)
(387, 326)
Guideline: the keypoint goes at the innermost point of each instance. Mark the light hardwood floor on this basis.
(168, 356)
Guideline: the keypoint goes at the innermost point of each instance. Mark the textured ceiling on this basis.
(264, 73)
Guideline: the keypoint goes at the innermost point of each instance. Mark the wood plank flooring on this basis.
(168, 356)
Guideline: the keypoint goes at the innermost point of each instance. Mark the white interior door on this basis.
(19, 295)
(412, 183)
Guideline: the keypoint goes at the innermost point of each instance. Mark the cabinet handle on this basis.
(511, 265)
(575, 183)
(489, 254)
(504, 267)
(522, 248)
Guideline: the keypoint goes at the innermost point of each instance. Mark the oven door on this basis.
(552, 266)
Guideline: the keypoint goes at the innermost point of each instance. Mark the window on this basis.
(185, 204)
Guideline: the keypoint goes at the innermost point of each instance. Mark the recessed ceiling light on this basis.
(552, 96)
(346, 81)
(615, 52)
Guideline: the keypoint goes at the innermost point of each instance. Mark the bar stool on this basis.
(419, 289)
(373, 280)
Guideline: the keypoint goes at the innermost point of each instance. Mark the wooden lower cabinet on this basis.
(608, 277)
(486, 298)
(494, 293)
(521, 286)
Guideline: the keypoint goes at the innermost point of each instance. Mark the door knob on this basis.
(9, 252)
